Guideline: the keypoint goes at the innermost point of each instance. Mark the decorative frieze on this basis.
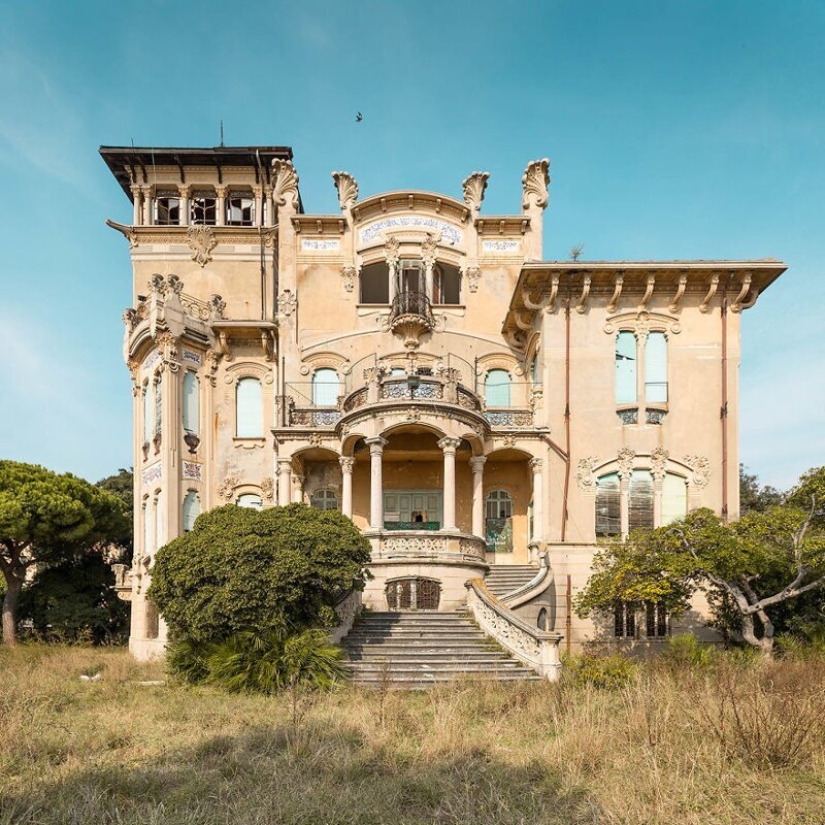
(449, 233)
(328, 245)
(193, 471)
(584, 474)
(154, 472)
(501, 247)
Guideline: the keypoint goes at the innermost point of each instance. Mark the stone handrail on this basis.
(535, 648)
(347, 611)
(535, 587)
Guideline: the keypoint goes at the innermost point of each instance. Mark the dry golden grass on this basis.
(665, 749)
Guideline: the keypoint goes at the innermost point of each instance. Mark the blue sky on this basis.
(674, 130)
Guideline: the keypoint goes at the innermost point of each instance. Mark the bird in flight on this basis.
(358, 117)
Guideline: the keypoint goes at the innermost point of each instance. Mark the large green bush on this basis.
(246, 570)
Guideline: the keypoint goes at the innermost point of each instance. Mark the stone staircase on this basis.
(419, 649)
(506, 578)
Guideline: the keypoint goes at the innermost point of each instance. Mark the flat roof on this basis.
(128, 163)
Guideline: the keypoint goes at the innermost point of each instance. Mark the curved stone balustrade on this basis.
(536, 648)
(347, 611)
(419, 545)
(535, 587)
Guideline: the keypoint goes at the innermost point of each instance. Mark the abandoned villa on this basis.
(413, 362)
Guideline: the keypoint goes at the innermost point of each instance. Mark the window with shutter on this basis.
(608, 506)
(641, 500)
(625, 368)
(191, 403)
(497, 388)
(249, 409)
(325, 387)
(674, 498)
(656, 368)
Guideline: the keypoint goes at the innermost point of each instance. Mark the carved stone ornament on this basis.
(700, 465)
(348, 276)
(658, 462)
(285, 188)
(584, 473)
(473, 277)
(157, 285)
(212, 358)
(428, 249)
(168, 347)
(347, 189)
(534, 183)
(268, 489)
(217, 307)
(174, 284)
(625, 460)
(316, 439)
(474, 185)
(391, 247)
(202, 241)
(226, 489)
(287, 302)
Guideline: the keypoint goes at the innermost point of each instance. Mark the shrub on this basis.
(685, 651)
(243, 570)
(599, 671)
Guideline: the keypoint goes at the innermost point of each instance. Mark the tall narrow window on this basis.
(375, 283)
(497, 388)
(167, 209)
(146, 513)
(249, 414)
(158, 395)
(608, 506)
(159, 534)
(655, 620)
(446, 284)
(191, 510)
(641, 500)
(656, 368)
(203, 208)
(325, 386)
(674, 498)
(240, 210)
(499, 521)
(191, 403)
(410, 277)
(625, 368)
(148, 411)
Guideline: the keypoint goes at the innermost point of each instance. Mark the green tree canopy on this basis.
(755, 496)
(246, 570)
(46, 518)
(756, 564)
(121, 484)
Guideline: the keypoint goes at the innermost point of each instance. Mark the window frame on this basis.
(247, 381)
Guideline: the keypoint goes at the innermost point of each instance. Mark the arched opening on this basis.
(249, 413)
(251, 500)
(499, 521)
(497, 388)
(414, 593)
(326, 499)
(325, 388)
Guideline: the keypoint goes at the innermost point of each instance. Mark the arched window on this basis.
(499, 521)
(325, 386)
(146, 514)
(324, 500)
(608, 506)
(158, 520)
(249, 413)
(656, 368)
(191, 403)
(158, 393)
(251, 500)
(497, 388)
(191, 510)
(625, 368)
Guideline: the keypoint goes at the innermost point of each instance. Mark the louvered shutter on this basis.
(608, 506)
(641, 500)
(656, 368)
(249, 408)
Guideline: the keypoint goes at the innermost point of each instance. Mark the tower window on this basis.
(167, 209)
(203, 209)
(240, 210)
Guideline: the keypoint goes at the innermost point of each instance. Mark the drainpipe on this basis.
(724, 410)
(566, 415)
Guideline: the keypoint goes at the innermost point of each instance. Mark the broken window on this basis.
(203, 208)
(240, 210)
(167, 209)
(608, 506)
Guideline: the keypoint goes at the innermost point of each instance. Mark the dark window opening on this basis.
(446, 284)
(656, 620)
(240, 211)
(167, 209)
(375, 283)
(624, 620)
(203, 209)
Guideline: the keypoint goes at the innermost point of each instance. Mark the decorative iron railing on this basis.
(400, 388)
(316, 417)
(509, 418)
(411, 303)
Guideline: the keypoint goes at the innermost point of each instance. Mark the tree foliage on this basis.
(121, 484)
(246, 570)
(755, 496)
(755, 565)
(47, 519)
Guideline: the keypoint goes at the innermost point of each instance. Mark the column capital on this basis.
(135, 188)
(221, 190)
(346, 463)
(284, 464)
(257, 190)
(535, 464)
(376, 443)
(184, 190)
(477, 463)
(449, 444)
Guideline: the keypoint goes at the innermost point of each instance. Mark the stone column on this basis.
(624, 503)
(448, 447)
(376, 445)
(538, 500)
(183, 191)
(258, 217)
(477, 466)
(347, 465)
(220, 217)
(270, 207)
(137, 198)
(147, 205)
(284, 474)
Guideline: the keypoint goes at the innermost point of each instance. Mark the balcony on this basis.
(417, 546)
(411, 317)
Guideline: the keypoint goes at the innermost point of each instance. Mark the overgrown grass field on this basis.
(723, 743)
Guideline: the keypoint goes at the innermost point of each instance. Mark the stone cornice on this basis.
(502, 225)
(137, 235)
(320, 224)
